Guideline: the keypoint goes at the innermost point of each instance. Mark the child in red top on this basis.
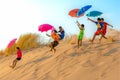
(19, 56)
(104, 29)
(100, 26)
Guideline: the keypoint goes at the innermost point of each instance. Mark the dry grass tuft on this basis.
(25, 42)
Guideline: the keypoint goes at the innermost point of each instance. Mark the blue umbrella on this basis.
(83, 10)
(94, 14)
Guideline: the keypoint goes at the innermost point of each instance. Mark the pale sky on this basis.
(22, 16)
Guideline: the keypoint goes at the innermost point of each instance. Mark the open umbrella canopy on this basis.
(83, 10)
(73, 13)
(45, 27)
(11, 42)
(94, 14)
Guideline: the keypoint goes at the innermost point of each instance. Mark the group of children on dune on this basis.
(101, 30)
(56, 37)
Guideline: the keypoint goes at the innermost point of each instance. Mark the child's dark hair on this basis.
(98, 18)
(102, 18)
(60, 26)
(55, 31)
(82, 25)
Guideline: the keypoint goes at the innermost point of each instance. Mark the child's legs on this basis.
(14, 63)
(55, 43)
(100, 38)
(93, 37)
(96, 33)
(81, 42)
(78, 43)
(80, 37)
(103, 32)
(51, 45)
(103, 35)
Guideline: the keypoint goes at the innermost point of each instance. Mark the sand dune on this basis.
(98, 61)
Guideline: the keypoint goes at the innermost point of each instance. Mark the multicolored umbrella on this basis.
(83, 10)
(45, 27)
(94, 14)
(11, 42)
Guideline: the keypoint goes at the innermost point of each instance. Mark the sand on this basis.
(98, 61)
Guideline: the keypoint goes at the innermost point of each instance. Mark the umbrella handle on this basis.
(76, 20)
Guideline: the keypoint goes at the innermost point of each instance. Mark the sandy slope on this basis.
(98, 61)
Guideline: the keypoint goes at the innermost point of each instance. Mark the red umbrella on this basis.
(45, 27)
(73, 13)
(11, 42)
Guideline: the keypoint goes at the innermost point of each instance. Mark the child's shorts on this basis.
(97, 32)
(18, 59)
(103, 32)
(80, 36)
(55, 43)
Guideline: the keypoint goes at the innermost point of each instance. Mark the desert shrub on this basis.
(28, 41)
(25, 42)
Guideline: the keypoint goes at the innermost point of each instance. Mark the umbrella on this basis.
(94, 14)
(11, 42)
(83, 10)
(73, 13)
(45, 27)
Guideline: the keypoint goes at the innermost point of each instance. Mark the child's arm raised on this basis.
(48, 35)
(78, 24)
(91, 20)
(110, 25)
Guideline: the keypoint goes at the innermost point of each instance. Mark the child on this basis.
(104, 29)
(81, 34)
(62, 33)
(56, 38)
(99, 27)
(19, 56)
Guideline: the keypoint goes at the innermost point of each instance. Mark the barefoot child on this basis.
(56, 38)
(99, 25)
(81, 34)
(104, 29)
(19, 56)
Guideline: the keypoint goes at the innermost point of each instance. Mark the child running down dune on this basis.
(19, 56)
(56, 38)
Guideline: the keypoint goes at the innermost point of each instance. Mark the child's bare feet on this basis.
(111, 39)
(91, 41)
(50, 50)
(11, 66)
(54, 50)
(80, 48)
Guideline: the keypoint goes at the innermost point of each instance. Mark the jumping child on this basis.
(56, 38)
